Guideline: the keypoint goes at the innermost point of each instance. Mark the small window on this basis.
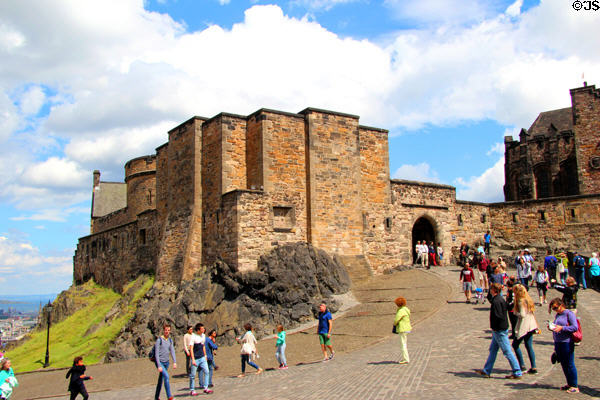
(142, 236)
(388, 223)
(515, 217)
(573, 213)
(483, 218)
(542, 214)
(94, 249)
(460, 220)
(283, 218)
(218, 215)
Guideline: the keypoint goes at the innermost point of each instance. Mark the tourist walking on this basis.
(523, 269)
(402, 328)
(325, 328)
(569, 292)
(526, 327)
(463, 253)
(467, 278)
(280, 348)
(440, 254)
(8, 381)
(579, 264)
(550, 264)
(211, 347)
(248, 351)
(199, 361)
(487, 240)
(77, 375)
(542, 279)
(187, 342)
(499, 325)
(482, 269)
(564, 325)
(163, 348)
(510, 300)
(502, 264)
(432, 252)
(595, 271)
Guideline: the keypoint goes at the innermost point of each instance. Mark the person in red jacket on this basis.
(467, 278)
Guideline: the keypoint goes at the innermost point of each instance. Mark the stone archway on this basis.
(422, 230)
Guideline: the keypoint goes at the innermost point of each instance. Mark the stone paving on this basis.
(445, 348)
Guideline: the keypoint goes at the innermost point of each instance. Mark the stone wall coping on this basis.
(161, 146)
(149, 156)
(430, 206)
(586, 88)
(371, 128)
(204, 119)
(271, 111)
(545, 200)
(309, 110)
(472, 203)
(107, 230)
(225, 114)
(138, 174)
(112, 182)
(424, 184)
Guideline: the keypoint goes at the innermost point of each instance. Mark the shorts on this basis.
(542, 287)
(323, 339)
(467, 286)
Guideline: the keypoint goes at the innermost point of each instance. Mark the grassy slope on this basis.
(68, 339)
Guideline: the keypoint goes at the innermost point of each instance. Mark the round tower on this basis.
(140, 176)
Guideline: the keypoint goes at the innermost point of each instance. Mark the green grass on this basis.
(68, 338)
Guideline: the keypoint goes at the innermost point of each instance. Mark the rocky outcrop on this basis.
(287, 288)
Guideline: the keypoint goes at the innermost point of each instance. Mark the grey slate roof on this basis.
(562, 120)
(108, 197)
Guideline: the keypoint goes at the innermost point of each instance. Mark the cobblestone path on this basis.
(445, 348)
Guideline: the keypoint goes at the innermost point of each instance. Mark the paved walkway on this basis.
(445, 348)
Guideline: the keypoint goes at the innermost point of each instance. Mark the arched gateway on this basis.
(422, 230)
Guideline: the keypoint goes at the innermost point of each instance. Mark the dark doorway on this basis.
(422, 230)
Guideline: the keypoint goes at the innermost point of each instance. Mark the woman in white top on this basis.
(526, 327)
(248, 342)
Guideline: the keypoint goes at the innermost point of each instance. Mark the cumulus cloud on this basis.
(416, 172)
(320, 4)
(488, 187)
(17, 256)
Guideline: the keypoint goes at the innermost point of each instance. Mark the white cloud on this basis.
(224, 2)
(54, 215)
(497, 148)
(321, 4)
(121, 76)
(419, 172)
(488, 187)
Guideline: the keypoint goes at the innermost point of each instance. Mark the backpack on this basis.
(578, 334)
(580, 262)
(540, 277)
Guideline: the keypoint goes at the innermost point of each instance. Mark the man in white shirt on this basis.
(187, 342)
(199, 362)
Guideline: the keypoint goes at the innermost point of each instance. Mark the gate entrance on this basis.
(422, 230)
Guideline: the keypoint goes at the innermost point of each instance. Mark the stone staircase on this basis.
(358, 268)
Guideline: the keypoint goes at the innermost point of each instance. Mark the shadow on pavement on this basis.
(382, 362)
(589, 358)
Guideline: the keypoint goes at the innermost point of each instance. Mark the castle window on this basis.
(573, 214)
(543, 216)
(515, 217)
(142, 236)
(94, 249)
(460, 220)
(218, 215)
(388, 224)
(283, 218)
(483, 218)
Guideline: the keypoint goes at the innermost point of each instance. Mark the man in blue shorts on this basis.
(324, 331)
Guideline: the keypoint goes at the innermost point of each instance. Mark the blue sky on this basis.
(91, 84)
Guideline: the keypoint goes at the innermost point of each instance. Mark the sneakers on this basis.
(193, 393)
(482, 373)
(332, 355)
(208, 391)
(403, 362)
(532, 371)
(260, 371)
(282, 367)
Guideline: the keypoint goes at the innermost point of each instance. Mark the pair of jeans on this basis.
(528, 340)
(525, 282)
(280, 354)
(563, 277)
(211, 367)
(500, 341)
(565, 353)
(580, 277)
(163, 377)
(246, 359)
(202, 367)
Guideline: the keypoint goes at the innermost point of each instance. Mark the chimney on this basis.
(96, 178)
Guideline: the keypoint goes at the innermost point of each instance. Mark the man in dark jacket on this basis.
(499, 325)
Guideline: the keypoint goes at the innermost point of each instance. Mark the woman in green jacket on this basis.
(402, 325)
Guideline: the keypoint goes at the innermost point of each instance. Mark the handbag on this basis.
(578, 334)
(394, 329)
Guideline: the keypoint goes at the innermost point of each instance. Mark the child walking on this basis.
(77, 374)
(280, 353)
(542, 279)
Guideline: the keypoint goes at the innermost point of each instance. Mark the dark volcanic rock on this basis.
(286, 288)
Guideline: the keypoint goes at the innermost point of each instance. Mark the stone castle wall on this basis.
(586, 114)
